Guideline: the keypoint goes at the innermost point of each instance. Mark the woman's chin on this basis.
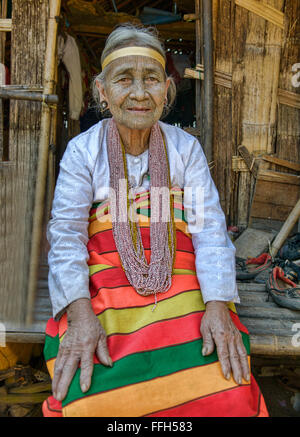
(139, 121)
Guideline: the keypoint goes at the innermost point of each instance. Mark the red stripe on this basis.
(52, 408)
(107, 242)
(52, 328)
(157, 335)
(241, 401)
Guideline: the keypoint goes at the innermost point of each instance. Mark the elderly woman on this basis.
(132, 334)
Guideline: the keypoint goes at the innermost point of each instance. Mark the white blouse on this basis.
(84, 179)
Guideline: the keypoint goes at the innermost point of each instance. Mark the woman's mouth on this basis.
(138, 109)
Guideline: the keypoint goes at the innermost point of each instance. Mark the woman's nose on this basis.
(138, 91)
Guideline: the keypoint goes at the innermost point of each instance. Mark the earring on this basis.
(103, 105)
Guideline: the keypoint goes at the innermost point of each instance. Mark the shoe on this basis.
(291, 270)
(283, 291)
(291, 249)
(250, 268)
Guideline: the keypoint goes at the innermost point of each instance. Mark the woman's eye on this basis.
(151, 79)
(125, 80)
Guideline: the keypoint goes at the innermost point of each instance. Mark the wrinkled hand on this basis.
(84, 337)
(217, 328)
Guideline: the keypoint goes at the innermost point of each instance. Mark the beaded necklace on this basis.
(155, 277)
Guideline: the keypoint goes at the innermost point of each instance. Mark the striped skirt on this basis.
(158, 368)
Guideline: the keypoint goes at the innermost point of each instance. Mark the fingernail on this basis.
(84, 387)
(239, 381)
(204, 351)
(59, 396)
(248, 377)
(227, 376)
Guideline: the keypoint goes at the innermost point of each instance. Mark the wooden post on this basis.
(286, 229)
(49, 76)
(208, 113)
(199, 60)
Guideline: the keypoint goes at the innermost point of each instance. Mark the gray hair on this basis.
(124, 36)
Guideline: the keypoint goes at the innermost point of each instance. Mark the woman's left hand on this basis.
(217, 328)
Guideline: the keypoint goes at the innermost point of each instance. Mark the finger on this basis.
(208, 342)
(102, 352)
(58, 369)
(86, 369)
(243, 359)
(68, 373)
(235, 362)
(223, 355)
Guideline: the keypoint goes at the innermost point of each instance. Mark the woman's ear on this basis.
(102, 93)
(168, 81)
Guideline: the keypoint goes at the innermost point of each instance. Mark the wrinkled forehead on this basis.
(135, 64)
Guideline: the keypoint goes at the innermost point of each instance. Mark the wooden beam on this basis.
(178, 29)
(288, 98)
(264, 11)
(249, 159)
(276, 176)
(221, 79)
(191, 17)
(5, 25)
(42, 165)
(283, 162)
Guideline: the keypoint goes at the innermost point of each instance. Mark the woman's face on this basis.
(135, 90)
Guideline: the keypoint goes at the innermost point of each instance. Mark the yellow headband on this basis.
(139, 51)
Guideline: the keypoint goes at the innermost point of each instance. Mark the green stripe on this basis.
(144, 366)
(178, 213)
(51, 347)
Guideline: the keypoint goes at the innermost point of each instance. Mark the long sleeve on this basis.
(214, 251)
(67, 230)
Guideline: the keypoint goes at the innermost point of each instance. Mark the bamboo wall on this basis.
(258, 55)
(17, 176)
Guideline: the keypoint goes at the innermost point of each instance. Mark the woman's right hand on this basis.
(84, 337)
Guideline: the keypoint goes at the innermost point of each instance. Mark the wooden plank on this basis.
(283, 316)
(39, 387)
(264, 11)
(268, 211)
(31, 398)
(5, 24)
(220, 78)
(276, 193)
(272, 345)
(276, 176)
(282, 162)
(288, 98)
(251, 286)
(266, 327)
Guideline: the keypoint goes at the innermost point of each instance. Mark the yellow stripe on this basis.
(147, 397)
(98, 268)
(104, 224)
(128, 320)
(50, 366)
(184, 272)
